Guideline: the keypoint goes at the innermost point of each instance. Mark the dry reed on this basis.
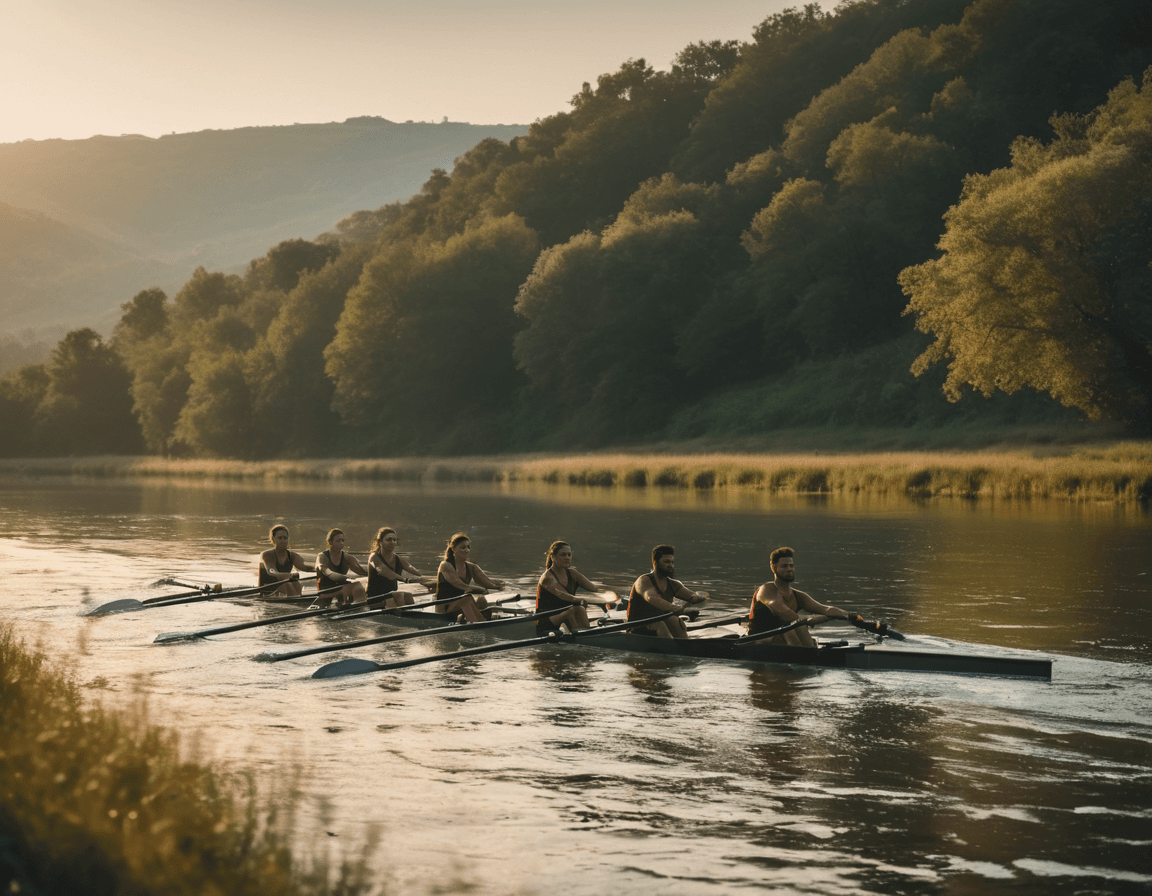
(1121, 472)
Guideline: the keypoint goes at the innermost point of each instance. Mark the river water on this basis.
(574, 770)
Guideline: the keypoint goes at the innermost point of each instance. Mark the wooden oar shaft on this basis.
(551, 638)
(291, 617)
(799, 623)
(256, 623)
(712, 623)
(440, 601)
(230, 592)
(451, 628)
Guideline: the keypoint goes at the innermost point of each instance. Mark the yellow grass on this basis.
(1120, 472)
(101, 801)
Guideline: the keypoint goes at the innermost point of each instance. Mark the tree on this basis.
(86, 408)
(1044, 281)
(428, 330)
(21, 391)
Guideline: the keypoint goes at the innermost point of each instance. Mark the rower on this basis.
(777, 604)
(557, 591)
(334, 567)
(458, 577)
(386, 569)
(656, 593)
(279, 564)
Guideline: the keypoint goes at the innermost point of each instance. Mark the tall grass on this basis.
(95, 801)
(1120, 472)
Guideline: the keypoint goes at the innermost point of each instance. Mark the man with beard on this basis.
(778, 604)
(656, 593)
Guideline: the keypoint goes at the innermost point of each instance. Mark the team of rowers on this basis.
(461, 585)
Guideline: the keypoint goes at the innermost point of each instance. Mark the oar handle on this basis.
(879, 628)
(799, 623)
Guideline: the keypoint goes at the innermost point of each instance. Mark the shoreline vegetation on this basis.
(1119, 472)
(98, 801)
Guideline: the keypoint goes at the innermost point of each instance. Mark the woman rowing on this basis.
(334, 568)
(557, 591)
(279, 564)
(386, 569)
(459, 577)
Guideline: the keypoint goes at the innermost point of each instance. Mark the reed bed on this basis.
(96, 801)
(1121, 472)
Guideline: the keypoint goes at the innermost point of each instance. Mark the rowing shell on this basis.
(835, 656)
(430, 619)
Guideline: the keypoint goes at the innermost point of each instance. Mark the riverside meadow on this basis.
(1113, 472)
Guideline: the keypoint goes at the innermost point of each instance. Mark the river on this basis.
(573, 770)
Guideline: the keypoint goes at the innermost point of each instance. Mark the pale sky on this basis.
(74, 68)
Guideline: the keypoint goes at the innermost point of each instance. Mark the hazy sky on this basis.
(74, 68)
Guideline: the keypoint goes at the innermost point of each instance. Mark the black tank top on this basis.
(322, 581)
(639, 608)
(379, 584)
(266, 579)
(546, 600)
(445, 588)
(762, 619)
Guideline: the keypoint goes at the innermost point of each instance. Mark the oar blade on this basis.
(126, 605)
(170, 637)
(341, 668)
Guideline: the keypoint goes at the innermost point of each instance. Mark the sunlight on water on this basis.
(578, 770)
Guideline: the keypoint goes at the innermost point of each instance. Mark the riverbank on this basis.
(100, 801)
(1114, 472)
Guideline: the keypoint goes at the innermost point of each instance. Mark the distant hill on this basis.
(87, 223)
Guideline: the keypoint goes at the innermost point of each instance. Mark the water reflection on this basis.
(695, 777)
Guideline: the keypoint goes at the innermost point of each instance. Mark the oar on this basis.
(377, 610)
(171, 581)
(359, 667)
(879, 628)
(168, 637)
(128, 604)
(451, 628)
(722, 620)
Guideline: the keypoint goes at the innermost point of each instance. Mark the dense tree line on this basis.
(712, 249)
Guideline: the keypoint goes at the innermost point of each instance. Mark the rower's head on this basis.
(385, 538)
(458, 542)
(784, 564)
(278, 535)
(664, 559)
(558, 550)
(333, 536)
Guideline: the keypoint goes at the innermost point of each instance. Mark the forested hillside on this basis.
(86, 223)
(744, 243)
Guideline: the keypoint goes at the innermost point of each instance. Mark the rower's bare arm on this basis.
(382, 568)
(649, 593)
(482, 578)
(814, 606)
(326, 571)
(448, 573)
(605, 598)
(688, 596)
(770, 597)
(299, 563)
(408, 567)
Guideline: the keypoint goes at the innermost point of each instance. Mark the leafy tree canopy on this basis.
(1044, 280)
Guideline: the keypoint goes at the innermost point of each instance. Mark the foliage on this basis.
(1045, 279)
(76, 403)
(727, 226)
(423, 348)
(98, 802)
